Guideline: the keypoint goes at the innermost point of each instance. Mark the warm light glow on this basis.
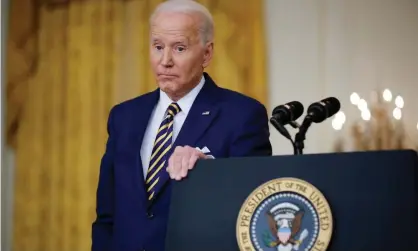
(397, 113)
(338, 121)
(417, 126)
(340, 117)
(365, 114)
(354, 98)
(336, 124)
(387, 95)
(362, 105)
(399, 102)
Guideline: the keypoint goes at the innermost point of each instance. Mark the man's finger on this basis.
(171, 168)
(202, 155)
(187, 155)
(185, 161)
(177, 164)
(193, 160)
(170, 163)
(183, 172)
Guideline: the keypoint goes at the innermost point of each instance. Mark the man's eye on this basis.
(180, 48)
(158, 47)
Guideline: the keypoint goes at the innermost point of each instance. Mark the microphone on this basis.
(286, 114)
(317, 113)
(320, 111)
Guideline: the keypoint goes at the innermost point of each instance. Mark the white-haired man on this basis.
(158, 137)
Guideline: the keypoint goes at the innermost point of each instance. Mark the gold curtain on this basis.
(21, 60)
(89, 56)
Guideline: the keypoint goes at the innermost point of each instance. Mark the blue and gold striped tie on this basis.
(159, 156)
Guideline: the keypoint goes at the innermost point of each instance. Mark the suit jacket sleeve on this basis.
(253, 137)
(102, 226)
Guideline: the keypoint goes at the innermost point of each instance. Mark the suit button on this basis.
(150, 215)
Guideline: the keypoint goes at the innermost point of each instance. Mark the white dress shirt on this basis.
(157, 117)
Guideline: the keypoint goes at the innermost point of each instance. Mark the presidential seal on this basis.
(285, 214)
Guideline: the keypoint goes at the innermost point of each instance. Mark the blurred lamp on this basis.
(387, 95)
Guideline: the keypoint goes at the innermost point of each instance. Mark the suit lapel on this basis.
(202, 113)
(142, 115)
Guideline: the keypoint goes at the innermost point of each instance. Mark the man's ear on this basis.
(207, 57)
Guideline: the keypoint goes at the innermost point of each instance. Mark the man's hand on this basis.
(182, 160)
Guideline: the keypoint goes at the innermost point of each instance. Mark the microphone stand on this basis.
(283, 131)
(301, 135)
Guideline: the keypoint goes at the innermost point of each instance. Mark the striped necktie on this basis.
(159, 155)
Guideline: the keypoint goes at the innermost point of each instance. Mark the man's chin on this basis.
(168, 86)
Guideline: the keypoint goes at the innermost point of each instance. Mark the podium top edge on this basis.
(389, 151)
(406, 152)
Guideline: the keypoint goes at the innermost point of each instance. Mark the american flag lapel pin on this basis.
(206, 113)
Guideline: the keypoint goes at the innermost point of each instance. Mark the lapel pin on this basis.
(206, 113)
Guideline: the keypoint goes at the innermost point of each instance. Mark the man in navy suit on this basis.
(157, 138)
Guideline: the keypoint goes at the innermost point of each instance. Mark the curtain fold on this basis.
(90, 56)
(21, 60)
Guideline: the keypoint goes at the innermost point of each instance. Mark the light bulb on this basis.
(362, 105)
(337, 125)
(354, 98)
(397, 113)
(366, 115)
(387, 95)
(399, 102)
(340, 116)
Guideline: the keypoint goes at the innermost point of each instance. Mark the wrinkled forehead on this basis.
(172, 25)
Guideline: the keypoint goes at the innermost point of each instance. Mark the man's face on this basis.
(177, 54)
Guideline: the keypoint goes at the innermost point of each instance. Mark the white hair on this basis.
(189, 7)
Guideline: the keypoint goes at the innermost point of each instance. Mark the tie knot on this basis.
(173, 109)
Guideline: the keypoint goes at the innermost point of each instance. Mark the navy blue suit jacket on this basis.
(236, 126)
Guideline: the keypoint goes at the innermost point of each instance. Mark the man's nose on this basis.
(167, 59)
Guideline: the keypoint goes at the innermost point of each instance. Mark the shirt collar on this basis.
(185, 102)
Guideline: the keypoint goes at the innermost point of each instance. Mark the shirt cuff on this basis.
(206, 153)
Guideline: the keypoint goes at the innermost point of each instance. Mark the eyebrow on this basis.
(177, 41)
(153, 40)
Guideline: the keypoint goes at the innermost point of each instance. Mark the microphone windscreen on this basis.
(319, 111)
(295, 107)
(333, 105)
